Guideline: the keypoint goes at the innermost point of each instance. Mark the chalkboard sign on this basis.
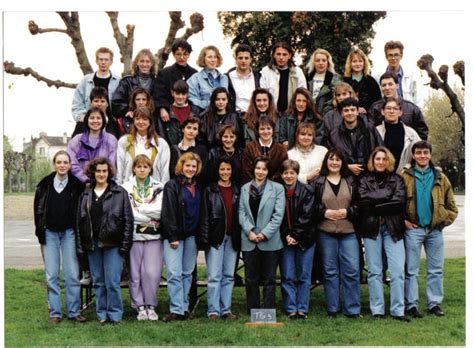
(263, 315)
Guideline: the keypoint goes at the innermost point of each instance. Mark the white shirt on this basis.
(308, 160)
(244, 87)
(59, 184)
(140, 148)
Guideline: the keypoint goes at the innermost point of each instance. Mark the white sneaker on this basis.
(152, 314)
(86, 278)
(142, 314)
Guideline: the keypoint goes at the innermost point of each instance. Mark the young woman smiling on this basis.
(142, 140)
(94, 142)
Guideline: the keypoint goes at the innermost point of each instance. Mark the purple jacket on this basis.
(82, 152)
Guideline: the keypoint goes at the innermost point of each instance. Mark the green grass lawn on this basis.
(26, 321)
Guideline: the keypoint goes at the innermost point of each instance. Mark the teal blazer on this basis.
(269, 218)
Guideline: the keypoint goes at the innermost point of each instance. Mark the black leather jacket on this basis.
(367, 139)
(173, 211)
(121, 96)
(41, 201)
(213, 218)
(116, 227)
(385, 201)
(320, 208)
(412, 116)
(213, 157)
(301, 211)
(208, 132)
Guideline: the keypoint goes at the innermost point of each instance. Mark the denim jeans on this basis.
(146, 264)
(396, 266)
(220, 277)
(434, 248)
(180, 263)
(295, 268)
(260, 268)
(61, 246)
(106, 268)
(340, 254)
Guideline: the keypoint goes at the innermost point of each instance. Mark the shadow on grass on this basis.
(26, 321)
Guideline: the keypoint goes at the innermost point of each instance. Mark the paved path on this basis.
(22, 249)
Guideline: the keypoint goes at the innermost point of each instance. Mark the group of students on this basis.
(240, 162)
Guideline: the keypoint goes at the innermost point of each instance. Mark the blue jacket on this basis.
(81, 97)
(200, 89)
(270, 216)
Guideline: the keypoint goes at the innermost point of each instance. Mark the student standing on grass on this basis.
(220, 237)
(181, 212)
(430, 208)
(336, 213)
(261, 210)
(382, 199)
(297, 233)
(54, 206)
(104, 228)
(146, 253)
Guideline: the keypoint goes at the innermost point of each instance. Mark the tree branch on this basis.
(10, 68)
(197, 24)
(458, 68)
(440, 81)
(125, 43)
(73, 29)
(35, 29)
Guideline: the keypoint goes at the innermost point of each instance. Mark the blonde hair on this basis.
(310, 65)
(388, 157)
(201, 61)
(343, 87)
(188, 156)
(144, 52)
(356, 51)
(142, 159)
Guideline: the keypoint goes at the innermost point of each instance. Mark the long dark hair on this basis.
(212, 111)
(334, 152)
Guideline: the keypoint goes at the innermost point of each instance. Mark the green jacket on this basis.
(444, 206)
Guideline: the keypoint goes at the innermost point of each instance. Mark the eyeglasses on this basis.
(394, 55)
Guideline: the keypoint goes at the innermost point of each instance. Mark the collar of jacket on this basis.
(130, 148)
(85, 139)
(437, 172)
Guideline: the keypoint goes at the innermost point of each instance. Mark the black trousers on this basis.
(260, 268)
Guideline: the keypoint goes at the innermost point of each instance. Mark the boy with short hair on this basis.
(430, 208)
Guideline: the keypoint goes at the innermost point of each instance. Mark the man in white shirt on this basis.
(243, 79)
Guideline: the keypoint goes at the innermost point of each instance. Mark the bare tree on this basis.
(440, 81)
(124, 42)
(26, 163)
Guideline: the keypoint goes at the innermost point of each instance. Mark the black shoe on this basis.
(302, 315)
(436, 310)
(401, 318)
(332, 314)
(292, 315)
(173, 317)
(353, 316)
(378, 316)
(414, 313)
